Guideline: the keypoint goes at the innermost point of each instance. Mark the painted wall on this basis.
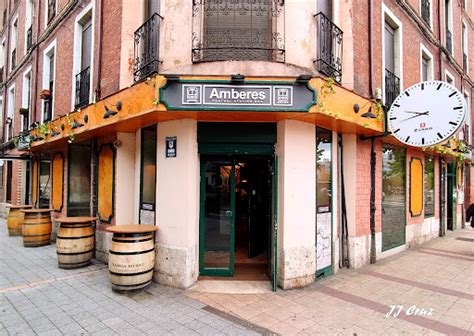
(296, 148)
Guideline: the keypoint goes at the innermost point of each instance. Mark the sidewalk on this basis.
(431, 286)
(36, 297)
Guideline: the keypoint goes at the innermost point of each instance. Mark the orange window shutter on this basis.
(416, 187)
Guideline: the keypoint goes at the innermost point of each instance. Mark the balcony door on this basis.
(148, 175)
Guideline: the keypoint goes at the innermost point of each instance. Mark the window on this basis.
(79, 180)
(26, 101)
(323, 170)
(392, 55)
(50, 11)
(238, 30)
(83, 58)
(426, 12)
(448, 22)
(44, 183)
(393, 196)
(28, 25)
(426, 64)
(13, 44)
(429, 185)
(3, 52)
(148, 174)
(465, 47)
(10, 112)
(49, 65)
(449, 78)
(467, 127)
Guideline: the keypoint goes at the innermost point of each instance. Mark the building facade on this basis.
(252, 133)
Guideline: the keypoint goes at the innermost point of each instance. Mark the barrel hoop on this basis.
(25, 223)
(81, 237)
(132, 241)
(132, 274)
(131, 235)
(43, 235)
(68, 226)
(136, 285)
(132, 253)
(75, 253)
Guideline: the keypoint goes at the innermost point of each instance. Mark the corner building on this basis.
(251, 132)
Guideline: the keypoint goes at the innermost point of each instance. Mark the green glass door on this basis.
(217, 229)
(451, 196)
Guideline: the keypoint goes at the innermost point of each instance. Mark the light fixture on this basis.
(110, 113)
(76, 124)
(54, 133)
(237, 78)
(369, 114)
(356, 108)
(303, 79)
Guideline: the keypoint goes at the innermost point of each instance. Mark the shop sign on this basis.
(257, 97)
(171, 143)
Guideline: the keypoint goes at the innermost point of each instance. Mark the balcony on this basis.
(329, 47)
(392, 88)
(245, 30)
(425, 11)
(83, 86)
(29, 37)
(146, 49)
(449, 41)
(13, 59)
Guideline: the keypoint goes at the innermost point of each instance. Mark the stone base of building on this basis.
(296, 267)
(420, 233)
(102, 245)
(176, 267)
(4, 210)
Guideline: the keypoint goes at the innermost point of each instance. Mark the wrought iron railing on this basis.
(329, 47)
(146, 49)
(464, 62)
(392, 87)
(13, 58)
(51, 10)
(425, 11)
(238, 30)
(83, 86)
(29, 37)
(449, 41)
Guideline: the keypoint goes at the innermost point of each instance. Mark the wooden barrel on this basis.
(132, 259)
(15, 219)
(37, 227)
(75, 241)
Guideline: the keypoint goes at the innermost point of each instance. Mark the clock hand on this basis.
(416, 112)
(418, 115)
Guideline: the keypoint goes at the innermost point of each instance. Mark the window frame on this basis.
(46, 12)
(11, 111)
(29, 18)
(52, 48)
(430, 24)
(429, 57)
(389, 17)
(13, 43)
(425, 198)
(26, 99)
(77, 52)
(449, 75)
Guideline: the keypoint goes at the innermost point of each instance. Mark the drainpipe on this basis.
(440, 52)
(371, 65)
(99, 57)
(35, 90)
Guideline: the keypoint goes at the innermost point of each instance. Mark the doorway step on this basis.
(232, 287)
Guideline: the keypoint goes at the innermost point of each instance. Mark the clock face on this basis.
(427, 113)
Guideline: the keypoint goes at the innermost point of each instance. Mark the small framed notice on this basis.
(171, 143)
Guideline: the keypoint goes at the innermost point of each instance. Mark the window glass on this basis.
(393, 196)
(148, 183)
(429, 185)
(323, 170)
(79, 180)
(45, 183)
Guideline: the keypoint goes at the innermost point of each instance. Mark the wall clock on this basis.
(427, 113)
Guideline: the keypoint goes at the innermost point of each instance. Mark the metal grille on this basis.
(83, 88)
(449, 41)
(425, 11)
(238, 30)
(392, 87)
(146, 49)
(51, 10)
(29, 37)
(329, 47)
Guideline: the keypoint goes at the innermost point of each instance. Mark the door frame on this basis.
(217, 271)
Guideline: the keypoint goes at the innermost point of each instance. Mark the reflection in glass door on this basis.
(148, 175)
(217, 217)
(393, 196)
